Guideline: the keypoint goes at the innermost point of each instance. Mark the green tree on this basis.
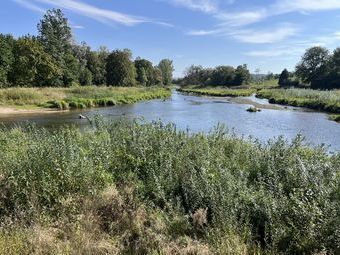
(166, 67)
(32, 65)
(157, 78)
(313, 66)
(6, 58)
(333, 79)
(284, 78)
(242, 75)
(223, 76)
(71, 71)
(120, 69)
(144, 70)
(56, 36)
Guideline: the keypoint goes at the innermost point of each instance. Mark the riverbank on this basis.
(327, 101)
(35, 100)
(217, 91)
(129, 188)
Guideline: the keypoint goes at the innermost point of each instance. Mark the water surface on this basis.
(203, 113)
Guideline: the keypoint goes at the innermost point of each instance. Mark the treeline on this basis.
(218, 76)
(53, 59)
(318, 69)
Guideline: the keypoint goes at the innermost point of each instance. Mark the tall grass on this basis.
(129, 188)
(328, 101)
(218, 91)
(78, 97)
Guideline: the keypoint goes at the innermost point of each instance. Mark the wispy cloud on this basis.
(30, 5)
(265, 36)
(204, 32)
(207, 6)
(100, 14)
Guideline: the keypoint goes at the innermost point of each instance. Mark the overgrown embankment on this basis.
(128, 188)
(77, 97)
(328, 101)
(217, 91)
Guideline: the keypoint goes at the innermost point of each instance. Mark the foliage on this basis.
(284, 77)
(56, 60)
(219, 76)
(328, 101)
(120, 69)
(145, 72)
(6, 58)
(166, 67)
(168, 188)
(319, 68)
(32, 66)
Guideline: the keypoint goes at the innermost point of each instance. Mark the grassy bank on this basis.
(328, 101)
(77, 97)
(217, 91)
(127, 188)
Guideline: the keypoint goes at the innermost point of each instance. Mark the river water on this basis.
(203, 113)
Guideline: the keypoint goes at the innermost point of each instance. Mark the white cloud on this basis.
(265, 36)
(241, 18)
(29, 5)
(102, 15)
(208, 6)
(96, 13)
(203, 32)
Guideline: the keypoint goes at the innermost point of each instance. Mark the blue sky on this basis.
(270, 35)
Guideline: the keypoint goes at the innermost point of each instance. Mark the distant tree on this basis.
(284, 77)
(313, 66)
(167, 69)
(32, 65)
(223, 76)
(144, 70)
(242, 75)
(6, 58)
(56, 37)
(193, 75)
(333, 79)
(269, 76)
(157, 78)
(120, 69)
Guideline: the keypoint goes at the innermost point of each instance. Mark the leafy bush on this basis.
(280, 197)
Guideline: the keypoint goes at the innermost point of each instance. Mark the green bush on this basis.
(281, 196)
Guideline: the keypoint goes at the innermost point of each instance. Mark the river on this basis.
(203, 113)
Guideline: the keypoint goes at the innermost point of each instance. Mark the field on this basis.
(328, 101)
(133, 188)
(77, 97)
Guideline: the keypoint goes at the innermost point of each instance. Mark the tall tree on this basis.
(144, 70)
(167, 69)
(283, 79)
(242, 75)
(313, 66)
(6, 58)
(56, 36)
(120, 69)
(32, 65)
(223, 76)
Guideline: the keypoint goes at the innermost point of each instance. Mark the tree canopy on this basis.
(53, 58)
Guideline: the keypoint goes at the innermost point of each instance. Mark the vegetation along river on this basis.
(204, 113)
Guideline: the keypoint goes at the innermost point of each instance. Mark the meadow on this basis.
(328, 101)
(77, 97)
(129, 187)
